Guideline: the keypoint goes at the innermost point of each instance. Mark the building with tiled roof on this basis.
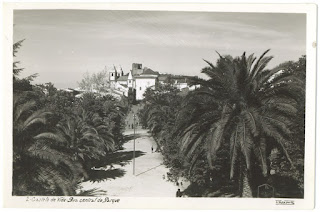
(148, 71)
(139, 79)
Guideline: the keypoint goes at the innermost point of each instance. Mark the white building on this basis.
(143, 82)
(139, 79)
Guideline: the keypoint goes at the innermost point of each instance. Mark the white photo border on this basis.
(171, 203)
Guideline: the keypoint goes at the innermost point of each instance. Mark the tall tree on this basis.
(97, 81)
(297, 144)
(159, 112)
(79, 139)
(20, 84)
(110, 110)
(39, 168)
(246, 105)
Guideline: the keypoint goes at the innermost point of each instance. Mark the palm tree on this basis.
(102, 128)
(80, 139)
(107, 111)
(113, 117)
(160, 110)
(245, 105)
(38, 167)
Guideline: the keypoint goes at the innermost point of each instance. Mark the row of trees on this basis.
(56, 137)
(243, 127)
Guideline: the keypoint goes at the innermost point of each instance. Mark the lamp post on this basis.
(134, 141)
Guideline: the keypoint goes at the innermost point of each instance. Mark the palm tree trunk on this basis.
(246, 187)
(158, 149)
(240, 178)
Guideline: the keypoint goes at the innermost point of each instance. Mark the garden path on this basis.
(149, 171)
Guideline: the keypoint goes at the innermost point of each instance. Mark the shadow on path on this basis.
(121, 158)
(101, 175)
(104, 169)
(132, 136)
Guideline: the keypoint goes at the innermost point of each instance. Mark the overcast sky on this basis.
(61, 45)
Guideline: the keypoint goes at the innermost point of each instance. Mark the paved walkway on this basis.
(129, 119)
(148, 179)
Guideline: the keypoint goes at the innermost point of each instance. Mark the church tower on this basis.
(112, 74)
(130, 80)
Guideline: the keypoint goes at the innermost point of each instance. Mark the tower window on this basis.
(112, 74)
(129, 81)
(140, 88)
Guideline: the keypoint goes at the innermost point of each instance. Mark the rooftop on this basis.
(149, 71)
(145, 76)
(123, 78)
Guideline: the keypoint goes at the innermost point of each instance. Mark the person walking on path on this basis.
(179, 193)
(152, 149)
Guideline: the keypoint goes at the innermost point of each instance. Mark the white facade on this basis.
(180, 86)
(130, 81)
(112, 75)
(193, 87)
(120, 88)
(140, 79)
(142, 83)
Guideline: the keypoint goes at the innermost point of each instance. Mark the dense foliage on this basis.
(56, 136)
(96, 81)
(242, 128)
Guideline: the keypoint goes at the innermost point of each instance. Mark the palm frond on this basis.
(260, 152)
(36, 117)
(51, 136)
(215, 138)
(195, 158)
(92, 192)
(54, 178)
(234, 147)
(272, 132)
(246, 144)
(256, 69)
(20, 109)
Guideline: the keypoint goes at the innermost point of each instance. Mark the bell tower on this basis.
(112, 74)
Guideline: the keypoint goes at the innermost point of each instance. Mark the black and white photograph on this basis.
(169, 104)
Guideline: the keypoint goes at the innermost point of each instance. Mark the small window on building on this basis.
(140, 88)
(112, 74)
(129, 81)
